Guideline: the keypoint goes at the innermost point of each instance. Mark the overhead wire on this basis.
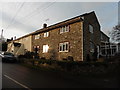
(38, 12)
(31, 14)
(34, 11)
(13, 19)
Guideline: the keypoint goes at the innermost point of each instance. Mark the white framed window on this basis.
(64, 47)
(45, 48)
(37, 36)
(64, 29)
(46, 34)
(91, 28)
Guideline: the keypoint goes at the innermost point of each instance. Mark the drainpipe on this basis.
(117, 48)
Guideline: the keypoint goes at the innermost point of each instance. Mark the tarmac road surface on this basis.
(18, 76)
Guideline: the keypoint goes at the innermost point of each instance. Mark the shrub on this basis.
(28, 55)
(70, 58)
(21, 56)
(43, 58)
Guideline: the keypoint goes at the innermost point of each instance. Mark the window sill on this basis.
(63, 32)
(63, 51)
(44, 52)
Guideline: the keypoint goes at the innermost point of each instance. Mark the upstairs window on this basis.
(37, 36)
(64, 29)
(64, 47)
(46, 34)
(91, 28)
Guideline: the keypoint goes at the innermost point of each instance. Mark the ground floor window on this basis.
(36, 49)
(92, 47)
(45, 48)
(64, 47)
(108, 50)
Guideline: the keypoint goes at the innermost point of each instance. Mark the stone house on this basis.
(77, 39)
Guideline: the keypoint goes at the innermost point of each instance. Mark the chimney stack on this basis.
(15, 38)
(44, 25)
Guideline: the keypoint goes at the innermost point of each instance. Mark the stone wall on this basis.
(94, 37)
(74, 37)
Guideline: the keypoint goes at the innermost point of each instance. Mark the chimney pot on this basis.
(44, 25)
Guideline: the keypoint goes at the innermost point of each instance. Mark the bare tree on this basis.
(115, 34)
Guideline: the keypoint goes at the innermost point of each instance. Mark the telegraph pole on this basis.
(2, 35)
(1, 40)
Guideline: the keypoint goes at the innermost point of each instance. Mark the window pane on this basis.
(63, 46)
(91, 47)
(67, 29)
(91, 28)
(45, 48)
(46, 34)
(64, 29)
(60, 30)
(101, 36)
(103, 52)
(37, 36)
(60, 47)
(66, 47)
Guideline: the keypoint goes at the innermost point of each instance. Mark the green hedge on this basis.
(77, 66)
(67, 63)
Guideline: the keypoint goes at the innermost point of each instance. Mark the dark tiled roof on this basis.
(104, 34)
(72, 20)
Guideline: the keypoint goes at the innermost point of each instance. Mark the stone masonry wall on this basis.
(88, 37)
(74, 37)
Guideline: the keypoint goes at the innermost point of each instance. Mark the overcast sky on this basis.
(20, 18)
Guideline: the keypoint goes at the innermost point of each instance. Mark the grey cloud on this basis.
(60, 12)
(17, 24)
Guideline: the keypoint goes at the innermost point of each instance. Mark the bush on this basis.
(70, 58)
(43, 58)
(21, 56)
(29, 55)
(77, 67)
(42, 61)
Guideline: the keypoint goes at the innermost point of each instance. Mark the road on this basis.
(18, 76)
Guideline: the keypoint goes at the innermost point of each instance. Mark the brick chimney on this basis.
(44, 25)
